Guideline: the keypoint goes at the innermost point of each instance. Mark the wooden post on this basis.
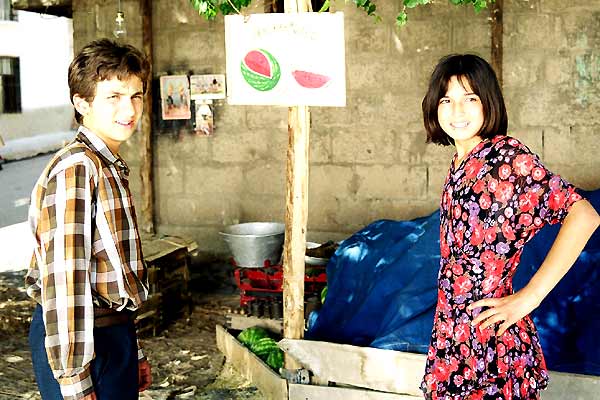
(497, 33)
(296, 212)
(147, 222)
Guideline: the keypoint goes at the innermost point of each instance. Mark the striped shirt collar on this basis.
(99, 147)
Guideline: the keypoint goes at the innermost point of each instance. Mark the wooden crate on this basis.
(169, 297)
(346, 372)
(271, 385)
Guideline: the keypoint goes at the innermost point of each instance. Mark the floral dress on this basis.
(493, 203)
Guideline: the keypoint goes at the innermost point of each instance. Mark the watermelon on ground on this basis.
(275, 359)
(262, 347)
(251, 335)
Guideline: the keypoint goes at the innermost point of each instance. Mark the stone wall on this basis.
(369, 159)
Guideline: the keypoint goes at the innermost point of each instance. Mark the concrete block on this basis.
(436, 176)
(522, 6)
(471, 33)
(332, 213)
(265, 179)
(177, 14)
(320, 144)
(131, 150)
(240, 146)
(557, 6)
(400, 181)
(398, 74)
(400, 109)
(521, 69)
(557, 145)
(229, 116)
(437, 9)
(207, 209)
(558, 70)
(430, 35)
(262, 208)
(363, 34)
(364, 74)
(329, 117)
(397, 109)
(400, 210)
(545, 31)
(172, 151)
(363, 146)
(538, 106)
(572, 145)
(532, 137)
(339, 181)
(169, 180)
(412, 148)
(224, 179)
(267, 117)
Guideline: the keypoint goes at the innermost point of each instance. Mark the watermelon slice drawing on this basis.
(260, 70)
(310, 80)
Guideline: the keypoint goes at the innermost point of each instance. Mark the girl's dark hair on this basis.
(101, 60)
(482, 79)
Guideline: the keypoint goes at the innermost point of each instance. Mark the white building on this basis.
(35, 52)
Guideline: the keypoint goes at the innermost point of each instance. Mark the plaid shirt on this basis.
(87, 252)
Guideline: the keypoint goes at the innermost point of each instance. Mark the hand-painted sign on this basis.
(286, 59)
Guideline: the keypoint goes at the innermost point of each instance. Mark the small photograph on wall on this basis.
(175, 97)
(204, 119)
(207, 87)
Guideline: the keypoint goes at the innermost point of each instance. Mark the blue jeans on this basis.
(114, 368)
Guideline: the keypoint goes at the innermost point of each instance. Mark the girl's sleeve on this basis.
(546, 197)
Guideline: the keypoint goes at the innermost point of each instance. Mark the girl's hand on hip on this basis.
(507, 310)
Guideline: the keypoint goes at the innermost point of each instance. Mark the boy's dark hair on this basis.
(482, 79)
(104, 59)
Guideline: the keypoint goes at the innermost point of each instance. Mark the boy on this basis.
(87, 273)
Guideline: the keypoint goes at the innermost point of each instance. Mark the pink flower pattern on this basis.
(493, 203)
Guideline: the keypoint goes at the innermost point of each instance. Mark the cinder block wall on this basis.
(368, 160)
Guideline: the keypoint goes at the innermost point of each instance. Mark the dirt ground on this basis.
(186, 363)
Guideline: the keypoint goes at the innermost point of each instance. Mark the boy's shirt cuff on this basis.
(78, 386)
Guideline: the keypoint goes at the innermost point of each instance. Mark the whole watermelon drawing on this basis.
(261, 70)
(310, 80)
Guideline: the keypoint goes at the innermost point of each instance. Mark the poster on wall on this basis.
(175, 97)
(286, 59)
(204, 124)
(207, 87)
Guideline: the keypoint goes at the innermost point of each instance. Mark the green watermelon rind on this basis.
(252, 335)
(259, 82)
(275, 359)
(263, 347)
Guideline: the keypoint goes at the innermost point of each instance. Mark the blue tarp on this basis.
(382, 291)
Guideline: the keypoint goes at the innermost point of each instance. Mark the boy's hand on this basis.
(144, 375)
(91, 396)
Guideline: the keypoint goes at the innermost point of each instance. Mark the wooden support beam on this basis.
(147, 214)
(296, 211)
(497, 29)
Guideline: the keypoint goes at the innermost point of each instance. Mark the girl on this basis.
(496, 197)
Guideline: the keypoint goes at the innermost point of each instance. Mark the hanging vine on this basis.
(210, 8)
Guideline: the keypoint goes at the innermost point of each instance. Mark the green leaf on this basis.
(325, 6)
(411, 3)
(401, 19)
(479, 5)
